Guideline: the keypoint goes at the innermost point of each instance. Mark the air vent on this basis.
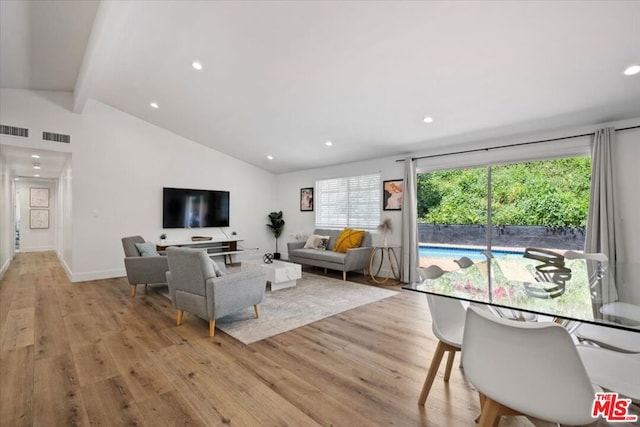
(56, 137)
(14, 131)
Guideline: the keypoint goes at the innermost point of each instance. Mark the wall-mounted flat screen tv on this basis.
(184, 208)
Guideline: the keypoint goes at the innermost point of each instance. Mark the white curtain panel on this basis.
(601, 222)
(409, 223)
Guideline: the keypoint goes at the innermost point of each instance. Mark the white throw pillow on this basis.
(314, 241)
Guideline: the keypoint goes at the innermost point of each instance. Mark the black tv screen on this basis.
(183, 208)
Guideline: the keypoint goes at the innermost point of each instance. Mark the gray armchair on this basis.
(142, 270)
(194, 287)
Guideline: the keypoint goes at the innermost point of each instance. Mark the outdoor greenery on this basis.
(552, 193)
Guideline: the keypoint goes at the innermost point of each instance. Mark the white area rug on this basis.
(314, 298)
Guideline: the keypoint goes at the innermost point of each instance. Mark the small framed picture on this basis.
(306, 199)
(392, 193)
(38, 218)
(39, 197)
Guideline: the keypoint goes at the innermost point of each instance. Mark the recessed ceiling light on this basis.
(196, 65)
(270, 157)
(632, 69)
(154, 105)
(35, 156)
(36, 165)
(428, 119)
(328, 143)
(17, 179)
(37, 176)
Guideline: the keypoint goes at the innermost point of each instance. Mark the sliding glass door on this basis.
(500, 209)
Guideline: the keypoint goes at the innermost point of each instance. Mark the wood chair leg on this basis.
(344, 275)
(179, 317)
(491, 412)
(447, 372)
(256, 308)
(212, 327)
(489, 416)
(133, 291)
(431, 374)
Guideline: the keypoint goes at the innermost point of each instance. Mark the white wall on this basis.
(64, 225)
(627, 175)
(627, 178)
(6, 233)
(289, 186)
(120, 164)
(40, 239)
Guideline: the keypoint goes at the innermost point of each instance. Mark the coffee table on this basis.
(281, 274)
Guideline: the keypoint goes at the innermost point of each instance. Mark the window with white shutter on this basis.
(348, 202)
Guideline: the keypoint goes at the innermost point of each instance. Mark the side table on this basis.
(389, 253)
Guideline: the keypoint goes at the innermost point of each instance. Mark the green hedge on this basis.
(553, 193)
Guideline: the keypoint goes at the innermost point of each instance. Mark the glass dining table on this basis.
(570, 291)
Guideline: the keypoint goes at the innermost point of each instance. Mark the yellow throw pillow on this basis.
(348, 239)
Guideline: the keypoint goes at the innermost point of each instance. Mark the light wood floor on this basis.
(86, 353)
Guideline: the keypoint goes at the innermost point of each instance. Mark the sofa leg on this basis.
(256, 308)
(133, 291)
(179, 317)
(212, 327)
(344, 275)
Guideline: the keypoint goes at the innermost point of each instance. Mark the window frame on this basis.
(362, 196)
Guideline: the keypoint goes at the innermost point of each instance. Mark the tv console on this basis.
(215, 247)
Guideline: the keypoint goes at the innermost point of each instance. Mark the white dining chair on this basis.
(594, 256)
(624, 311)
(610, 338)
(431, 272)
(464, 262)
(447, 324)
(522, 368)
(488, 254)
(613, 371)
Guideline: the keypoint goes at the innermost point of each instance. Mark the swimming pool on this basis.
(453, 252)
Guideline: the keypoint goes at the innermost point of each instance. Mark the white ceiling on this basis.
(281, 78)
(21, 164)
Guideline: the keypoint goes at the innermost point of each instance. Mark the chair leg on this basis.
(344, 275)
(146, 286)
(492, 411)
(212, 327)
(133, 291)
(179, 317)
(256, 308)
(447, 372)
(489, 416)
(431, 374)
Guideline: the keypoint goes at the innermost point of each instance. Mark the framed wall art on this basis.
(38, 218)
(306, 199)
(39, 197)
(392, 193)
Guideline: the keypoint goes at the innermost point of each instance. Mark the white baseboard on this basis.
(41, 249)
(4, 268)
(92, 275)
(66, 268)
(97, 275)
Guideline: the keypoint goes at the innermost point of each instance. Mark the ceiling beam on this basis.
(109, 20)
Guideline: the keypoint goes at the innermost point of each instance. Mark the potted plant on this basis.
(276, 226)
